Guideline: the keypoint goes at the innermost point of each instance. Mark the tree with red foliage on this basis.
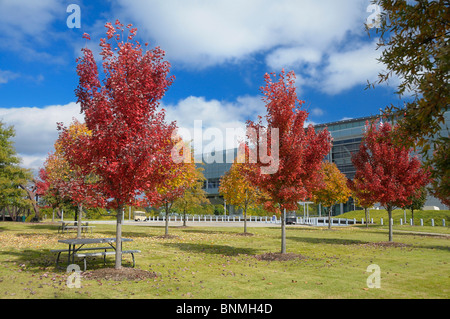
(288, 156)
(127, 147)
(361, 197)
(47, 190)
(386, 171)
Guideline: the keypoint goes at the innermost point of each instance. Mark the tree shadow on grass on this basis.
(362, 243)
(127, 234)
(331, 241)
(43, 226)
(204, 231)
(212, 249)
(30, 259)
(43, 260)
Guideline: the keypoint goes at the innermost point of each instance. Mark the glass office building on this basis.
(215, 165)
(347, 136)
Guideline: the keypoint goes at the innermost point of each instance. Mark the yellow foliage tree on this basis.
(178, 179)
(194, 196)
(333, 190)
(237, 190)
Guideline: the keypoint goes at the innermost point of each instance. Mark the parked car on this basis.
(139, 216)
(291, 218)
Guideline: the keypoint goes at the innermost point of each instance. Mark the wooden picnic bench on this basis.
(81, 251)
(104, 254)
(59, 251)
(84, 229)
(65, 226)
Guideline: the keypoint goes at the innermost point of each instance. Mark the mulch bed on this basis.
(279, 257)
(125, 273)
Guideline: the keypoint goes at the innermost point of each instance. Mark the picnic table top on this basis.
(83, 241)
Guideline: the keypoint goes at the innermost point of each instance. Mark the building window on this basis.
(213, 183)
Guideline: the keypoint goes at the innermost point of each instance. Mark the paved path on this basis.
(196, 223)
(421, 233)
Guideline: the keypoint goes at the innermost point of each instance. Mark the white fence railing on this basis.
(313, 221)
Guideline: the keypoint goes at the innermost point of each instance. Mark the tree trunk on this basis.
(58, 212)
(245, 219)
(118, 264)
(31, 193)
(184, 217)
(367, 218)
(167, 219)
(80, 209)
(390, 223)
(329, 216)
(283, 231)
(412, 215)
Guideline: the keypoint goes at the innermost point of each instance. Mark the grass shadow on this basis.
(330, 241)
(44, 226)
(212, 249)
(33, 260)
(204, 231)
(126, 234)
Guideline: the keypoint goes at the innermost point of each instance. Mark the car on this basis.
(291, 218)
(139, 216)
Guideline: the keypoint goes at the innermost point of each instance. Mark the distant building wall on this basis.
(347, 136)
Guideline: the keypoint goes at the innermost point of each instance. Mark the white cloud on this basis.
(6, 76)
(203, 33)
(215, 122)
(27, 27)
(293, 57)
(349, 68)
(28, 17)
(317, 111)
(36, 129)
(324, 42)
(211, 123)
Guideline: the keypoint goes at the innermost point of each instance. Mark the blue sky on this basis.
(219, 51)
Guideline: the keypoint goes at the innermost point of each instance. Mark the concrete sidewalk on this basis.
(194, 224)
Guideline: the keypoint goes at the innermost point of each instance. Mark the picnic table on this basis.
(70, 224)
(77, 249)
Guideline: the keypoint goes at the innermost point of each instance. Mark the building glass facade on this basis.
(347, 136)
(215, 165)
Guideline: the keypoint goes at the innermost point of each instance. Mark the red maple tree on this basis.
(387, 172)
(129, 138)
(288, 156)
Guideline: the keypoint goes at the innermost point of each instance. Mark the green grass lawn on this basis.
(218, 262)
